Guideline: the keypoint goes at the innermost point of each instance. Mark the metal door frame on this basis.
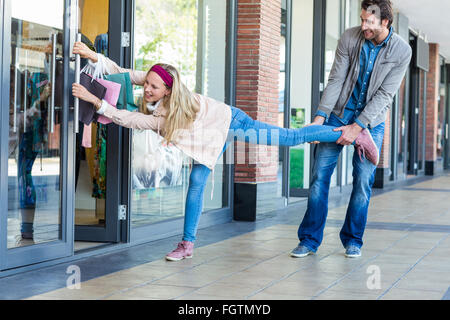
(17, 257)
(112, 231)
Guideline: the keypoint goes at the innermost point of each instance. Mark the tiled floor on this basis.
(406, 255)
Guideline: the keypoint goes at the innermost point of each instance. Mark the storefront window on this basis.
(270, 197)
(441, 114)
(352, 13)
(352, 19)
(402, 157)
(301, 86)
(341, 15)
(190, 35)
(34, 158)
(421, 133)
(91, 141)
(333, 33)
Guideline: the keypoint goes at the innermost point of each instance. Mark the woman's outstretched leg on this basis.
(244, 128)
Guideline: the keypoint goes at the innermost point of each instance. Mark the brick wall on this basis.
(258, 67)
(432, 103)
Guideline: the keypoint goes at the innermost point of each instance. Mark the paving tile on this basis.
(193, 278)
(155, 292)
(406, 294)
(230, 290)
(345, 295)
(86, 292)
(196, 296)
(264, 295)
(305, 287)
(363, 283)
(425, 280)
(127, 296)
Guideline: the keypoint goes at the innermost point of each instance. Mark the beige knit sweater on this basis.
(203, 142)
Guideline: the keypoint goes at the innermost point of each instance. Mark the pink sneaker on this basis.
(184, 250)
(365, 145)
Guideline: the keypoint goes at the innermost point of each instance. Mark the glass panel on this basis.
(352, 13)
(333, 33)
(441, 114)
(210, 72)
(34, 190)
(281, 101)
(271, 196)
(191, 37)
(300, 99)
(421, 135)
(350, 151)
(402, 138)
(352, 19)
(91, 141)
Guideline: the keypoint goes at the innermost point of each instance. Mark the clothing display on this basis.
(27, 190)
(87, 136)
(99, 179)
(101, 44)
(91, 141)
(33, 140)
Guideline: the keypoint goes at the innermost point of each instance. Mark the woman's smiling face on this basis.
(154, 88)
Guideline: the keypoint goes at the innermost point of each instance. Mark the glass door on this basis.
(300, 99)
(446, 84)
(36, 224)
(97, 146)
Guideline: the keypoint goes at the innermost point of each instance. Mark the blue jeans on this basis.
(244, 128)
(310, 232)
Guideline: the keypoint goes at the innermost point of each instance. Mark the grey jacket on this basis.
(389, 69)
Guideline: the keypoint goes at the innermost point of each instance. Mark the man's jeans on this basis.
(310, 232)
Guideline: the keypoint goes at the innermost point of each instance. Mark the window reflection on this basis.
(34, 195)
(191, 35)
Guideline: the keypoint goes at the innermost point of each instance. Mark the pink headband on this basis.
(165, 76)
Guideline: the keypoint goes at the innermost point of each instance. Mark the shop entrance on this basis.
(52, 185)
(96, 205)
(417, 106)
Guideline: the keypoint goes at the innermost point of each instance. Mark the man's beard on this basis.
(373, 34)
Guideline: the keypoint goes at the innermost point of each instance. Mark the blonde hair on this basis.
(181, 103)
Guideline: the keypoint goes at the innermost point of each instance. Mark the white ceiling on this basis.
(429, 17)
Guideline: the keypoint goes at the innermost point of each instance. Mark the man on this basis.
(370, 64)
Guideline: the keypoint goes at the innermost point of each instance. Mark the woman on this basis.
(201, 127)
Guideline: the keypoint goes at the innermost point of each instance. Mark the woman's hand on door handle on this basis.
(84, 52)
(78, 91)
(82, 93)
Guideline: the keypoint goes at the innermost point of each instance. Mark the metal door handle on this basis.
(53, 84)
(77, 80)
(25, 89)
(16, 84)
